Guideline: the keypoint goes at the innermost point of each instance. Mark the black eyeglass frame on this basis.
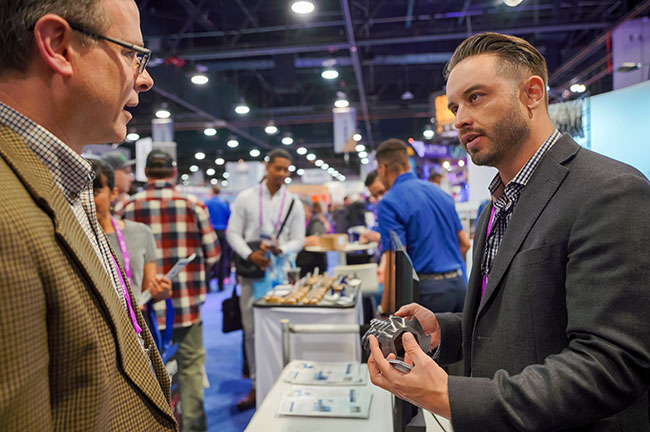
(146, 53)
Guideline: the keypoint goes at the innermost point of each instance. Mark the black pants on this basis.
(223, 266)
(444, 295)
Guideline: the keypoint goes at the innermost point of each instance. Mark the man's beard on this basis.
(506, 136)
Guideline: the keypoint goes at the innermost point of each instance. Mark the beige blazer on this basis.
(69, 358)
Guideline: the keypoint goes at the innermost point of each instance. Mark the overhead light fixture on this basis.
(210, 171)
(242, 108)
(287, 180)
(254, 153)
(446, 165)
(292, 168)
(331, 170)
(330, 74)
(363, 154)
(132, 136)
(271, 128)
(407, 95)
(209, 131)
(428, 132)
(303, 7)
(578, 88)
(194, 168)
(461, 163)
(232, 142)
(226, 175)
(319, 162)
(341, 100)
(512, 3)
(311, 157)
(301, 151)
(199, 79)
(287, 139)
(365, 161)
(185, 177)
(300, 171)
(360, 147)
(199, 155)
(342, 177)
(324, 166)
(267, 158)
(163, 112)
(224, 183)
(357, 137)
(219, 161)
(214, 181)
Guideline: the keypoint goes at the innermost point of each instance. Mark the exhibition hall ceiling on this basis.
(389, 55)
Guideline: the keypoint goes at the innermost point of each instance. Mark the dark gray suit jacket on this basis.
(561, 338)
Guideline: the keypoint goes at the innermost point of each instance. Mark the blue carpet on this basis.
(223, 364)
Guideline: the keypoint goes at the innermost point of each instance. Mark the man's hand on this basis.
(426, 318)
(425, 385)
(258, 258)
(160, 288)
(273, 248)
(369, 236)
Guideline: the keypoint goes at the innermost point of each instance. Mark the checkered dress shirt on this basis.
(504, 199)
(181, 225)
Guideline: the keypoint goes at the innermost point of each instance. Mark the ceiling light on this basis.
(301, 151)
(267, 158)
(330, 74)
(319, 163)
(287, 139)
(214, 181)
(407, 95)
(324, 166)
(271, 128)
(446, 165)
(254, 153)
(311, 157)
(287, 180)
(331, 170)
(226, 175)
(242, 108)
(300, 171)
(303, 7)
(163, 113)
(292, 168)
(428, 132)
(363, 154)
(360, 147)
(132, 136)
(209, 131)
(194, 168)
(364, 161)
(461, 163)
(578, 88)
(219, 161)
(199, 155)
(357, 137)
(342, 177)
(224, 183)
(341, 103)
(185, 177)
(199, 79)
(512, 3)
(210, 171)
(232, 142)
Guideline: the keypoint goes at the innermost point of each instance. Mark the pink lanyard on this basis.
(127, 298)
(125, 251)
(277, 223)
(489, 228)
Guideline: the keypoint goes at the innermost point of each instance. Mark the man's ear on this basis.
(534, 92)
(52, 36)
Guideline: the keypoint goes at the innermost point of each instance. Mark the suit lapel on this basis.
(548, 176)
(38, 181)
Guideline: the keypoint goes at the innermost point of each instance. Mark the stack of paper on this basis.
(312, 373)
(353, 402)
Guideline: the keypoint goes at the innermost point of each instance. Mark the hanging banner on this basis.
(345, 126)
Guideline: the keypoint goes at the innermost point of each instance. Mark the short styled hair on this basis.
(517, 55)
(102, 168)
(279, 153)
(394, 153)
(18, 17)
(370, 178)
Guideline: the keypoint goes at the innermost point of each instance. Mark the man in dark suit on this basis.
(554, 332)
(75, 351)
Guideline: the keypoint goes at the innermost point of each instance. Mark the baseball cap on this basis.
(117, 160)
(159, 159)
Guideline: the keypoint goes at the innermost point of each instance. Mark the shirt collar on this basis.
(514, 186)
(160, 184)
(267, 193)
(70, 171)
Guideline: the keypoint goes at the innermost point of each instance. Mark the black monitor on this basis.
(404, 283)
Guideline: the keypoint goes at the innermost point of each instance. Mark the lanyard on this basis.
(125, 251)
(277, 223)
(127, 298)
(489, 228)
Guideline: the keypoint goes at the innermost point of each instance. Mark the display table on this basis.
(350, 247)
(266, 418)
(319, 347)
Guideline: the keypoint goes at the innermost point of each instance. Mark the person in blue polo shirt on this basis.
(219, 211)
(425, 219)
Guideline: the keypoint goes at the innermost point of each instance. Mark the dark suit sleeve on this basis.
(450, 338)
(606, 365)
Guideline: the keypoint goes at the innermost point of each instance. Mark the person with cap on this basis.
(123, 174)
(181, 225)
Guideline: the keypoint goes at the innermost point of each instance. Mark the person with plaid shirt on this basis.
(181, 225)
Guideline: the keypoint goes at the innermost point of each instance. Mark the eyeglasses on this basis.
(142, 54)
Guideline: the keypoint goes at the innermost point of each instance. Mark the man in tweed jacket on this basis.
(75, 354)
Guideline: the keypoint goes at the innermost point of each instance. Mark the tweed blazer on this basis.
(561, 339)
(69, 358)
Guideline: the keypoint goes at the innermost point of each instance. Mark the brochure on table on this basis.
(327, 374)
(349, 402)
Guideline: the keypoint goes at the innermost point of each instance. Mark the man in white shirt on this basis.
(259, 214)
